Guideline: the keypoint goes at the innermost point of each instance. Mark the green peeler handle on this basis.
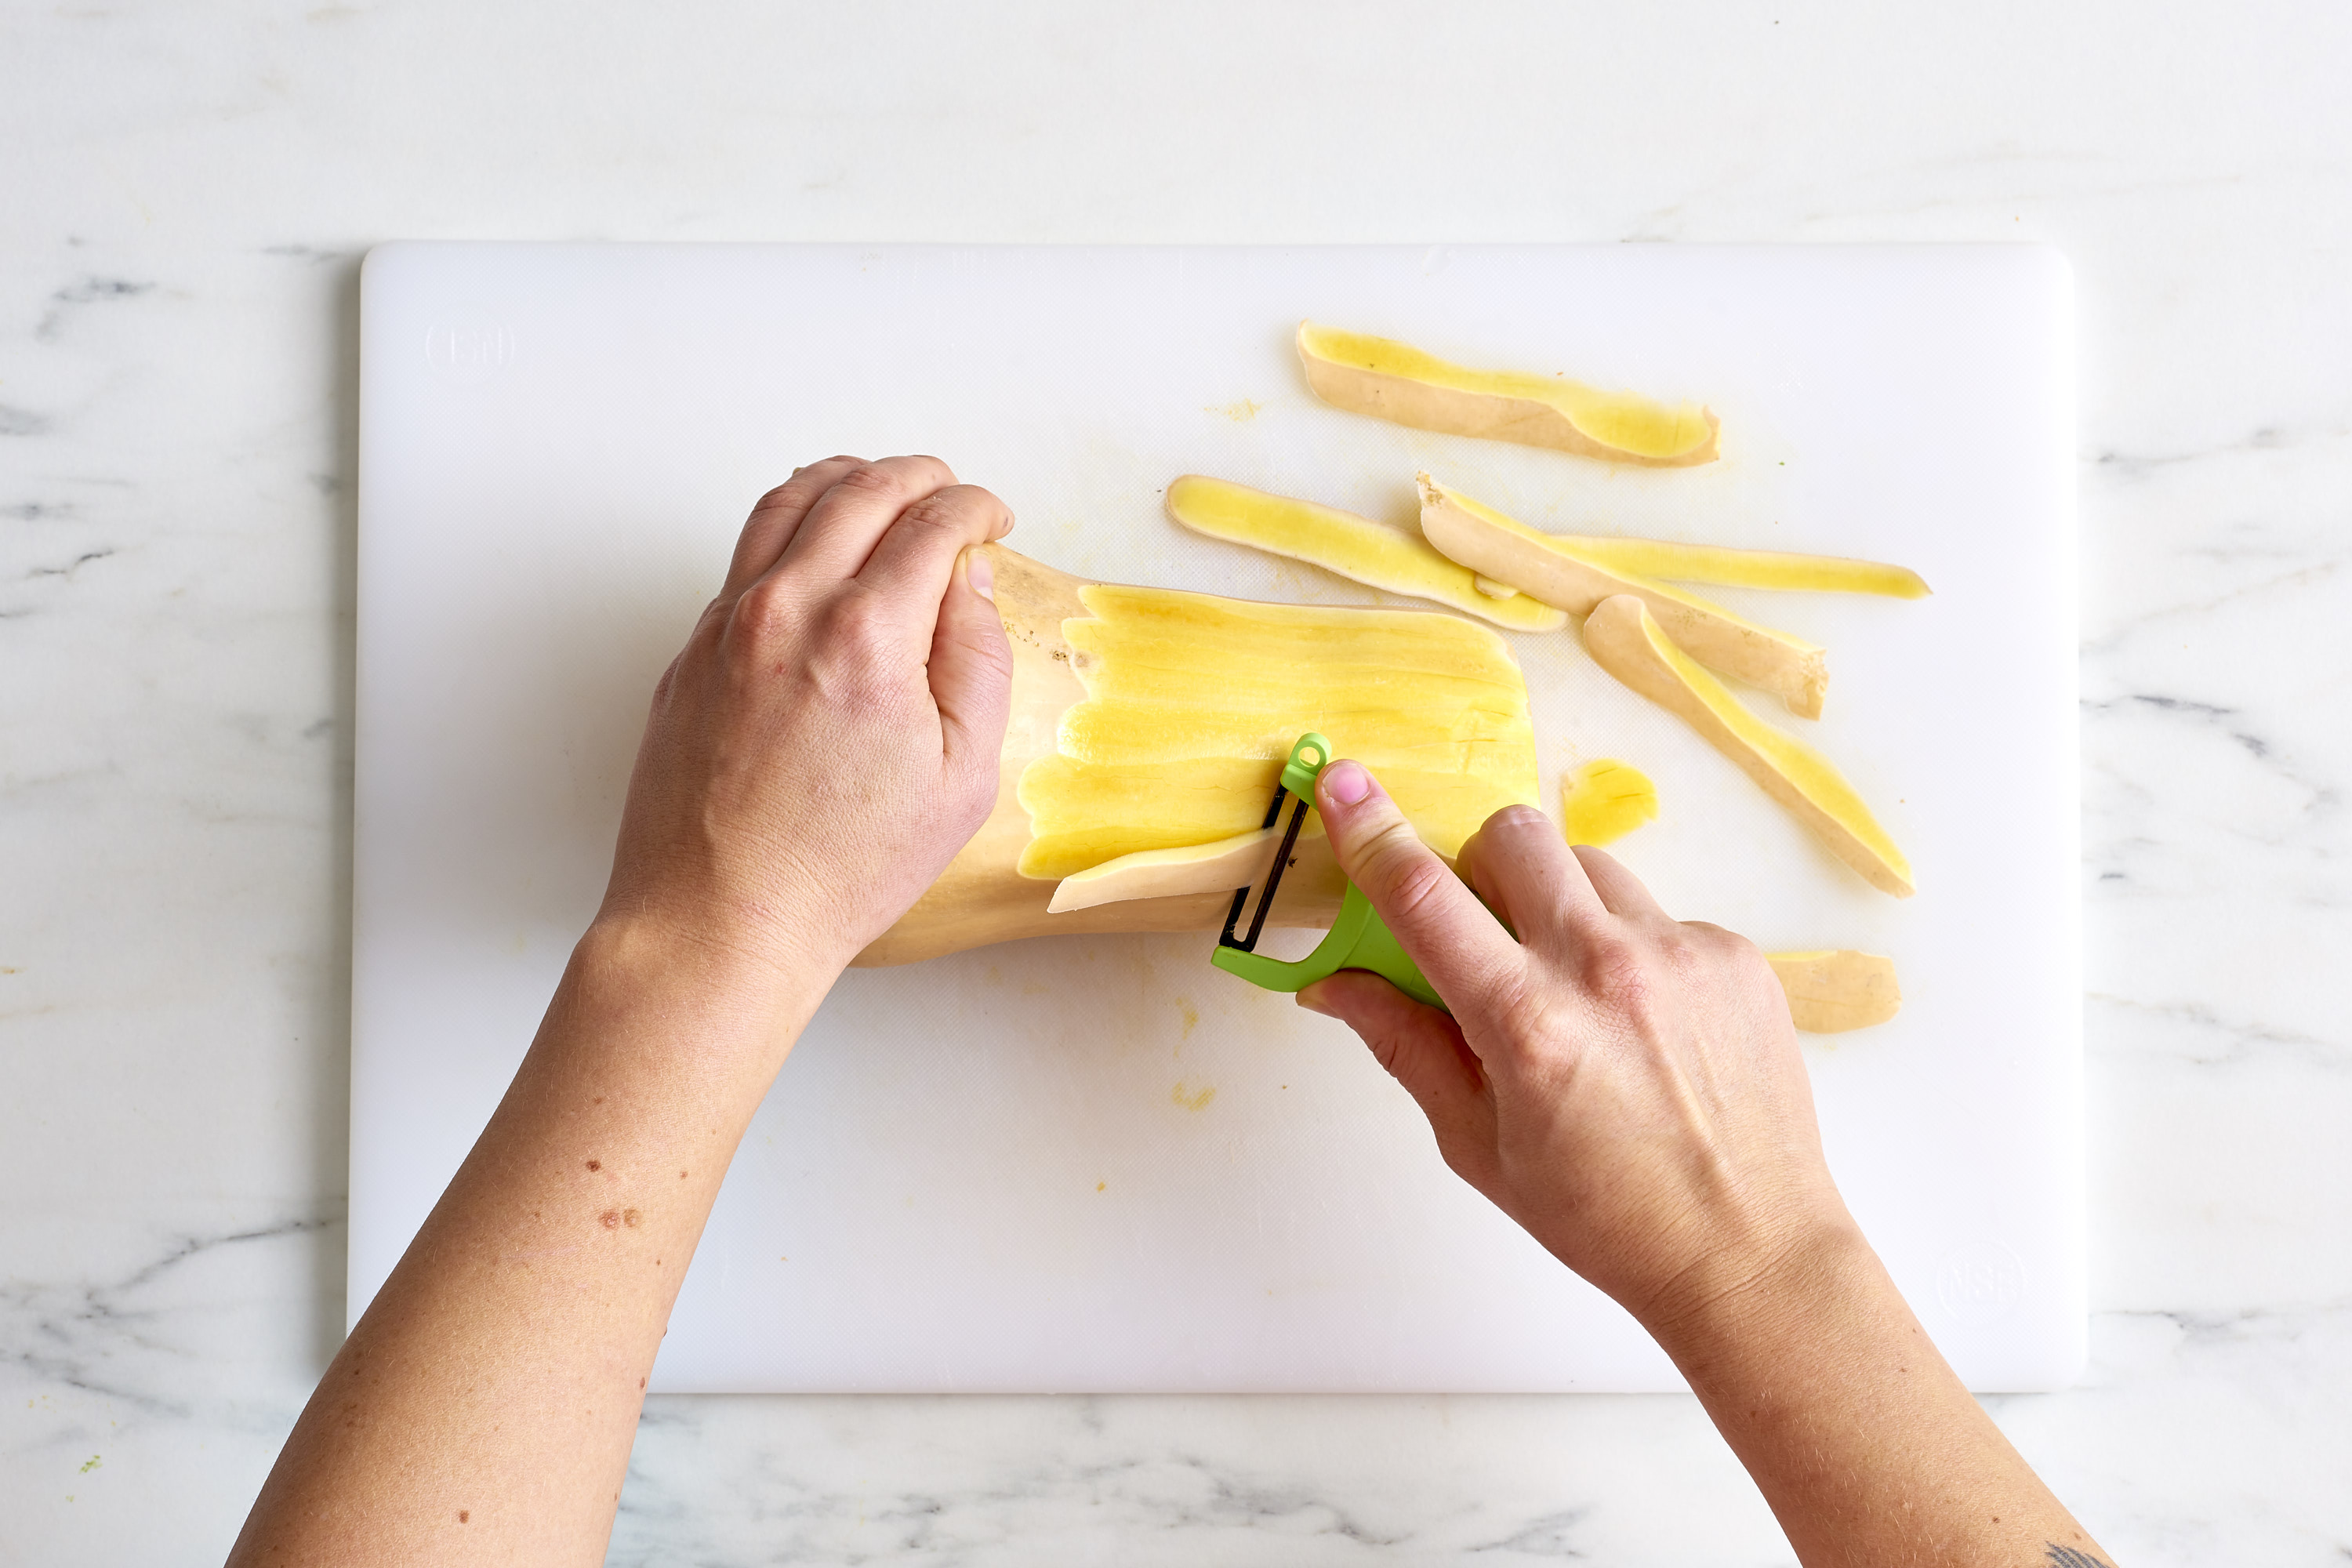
(1359, 939)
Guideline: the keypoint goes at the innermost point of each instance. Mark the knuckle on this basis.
(1527, 1020)
(1519, 818)
(767, 611)
(1727, 944)
(667, 683)
(1412, 879)
(942, 512)
(1708, 955)
(1618, 974)
(874, 478)
(792, 492)
(804, 484)
(857, 622)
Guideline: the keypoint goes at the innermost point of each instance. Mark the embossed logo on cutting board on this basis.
(468, 347)
(1979, 1282)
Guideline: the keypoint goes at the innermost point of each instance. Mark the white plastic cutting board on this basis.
(1096, 1163)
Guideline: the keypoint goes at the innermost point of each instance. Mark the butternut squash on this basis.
(1144, 719)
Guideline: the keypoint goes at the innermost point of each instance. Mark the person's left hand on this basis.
(828, 740)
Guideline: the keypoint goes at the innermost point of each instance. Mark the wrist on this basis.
(750, 975)
(1796, 1284)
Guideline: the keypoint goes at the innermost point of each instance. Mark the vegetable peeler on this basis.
(1359, 939)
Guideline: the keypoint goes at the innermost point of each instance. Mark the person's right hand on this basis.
(1625, 1085)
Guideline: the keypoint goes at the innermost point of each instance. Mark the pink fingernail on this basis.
(980, 575)
(1347, 783)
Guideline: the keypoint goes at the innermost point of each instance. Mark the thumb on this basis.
(1461, 947)
(1423, 1050)
(972, 668)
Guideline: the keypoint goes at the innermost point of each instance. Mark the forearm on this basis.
(1865, 1444)
(484, 1406)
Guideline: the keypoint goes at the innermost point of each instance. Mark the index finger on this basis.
(1522, 866)
(917, 553)
(1454, 938)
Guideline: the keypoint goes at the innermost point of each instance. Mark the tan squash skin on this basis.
(1218, 866)
(983, 898)
(1832, 991)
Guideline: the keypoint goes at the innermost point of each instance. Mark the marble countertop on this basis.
(188, 190)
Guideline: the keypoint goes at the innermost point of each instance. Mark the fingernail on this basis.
(1347, 783)
(980, 575)
(1312, 1005)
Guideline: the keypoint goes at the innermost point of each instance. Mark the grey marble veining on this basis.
(188, 189)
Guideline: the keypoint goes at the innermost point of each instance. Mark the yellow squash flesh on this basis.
(1742, 568)
(1540, 565)
(1144, 718)
(1355, 548)
(1193, 702)
(1604, 800)
(1832, 991)
(1395, 381)
(1626, 642)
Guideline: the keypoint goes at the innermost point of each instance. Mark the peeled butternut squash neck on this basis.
(1146, 719)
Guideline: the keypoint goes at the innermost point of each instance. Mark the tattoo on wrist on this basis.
(2067, 1557)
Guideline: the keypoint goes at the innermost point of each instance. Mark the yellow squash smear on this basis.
(1604, 800)
(1812, 774)
(1193, 702)
(1621, 421)
(1742, 568)
(1355, 547)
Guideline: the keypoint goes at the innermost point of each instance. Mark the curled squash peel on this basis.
(1624, 640)
(1355, 547)
(1546, 568)
(1218, 866)
(1742, 568)
(1395, 381)
(1835, 990)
